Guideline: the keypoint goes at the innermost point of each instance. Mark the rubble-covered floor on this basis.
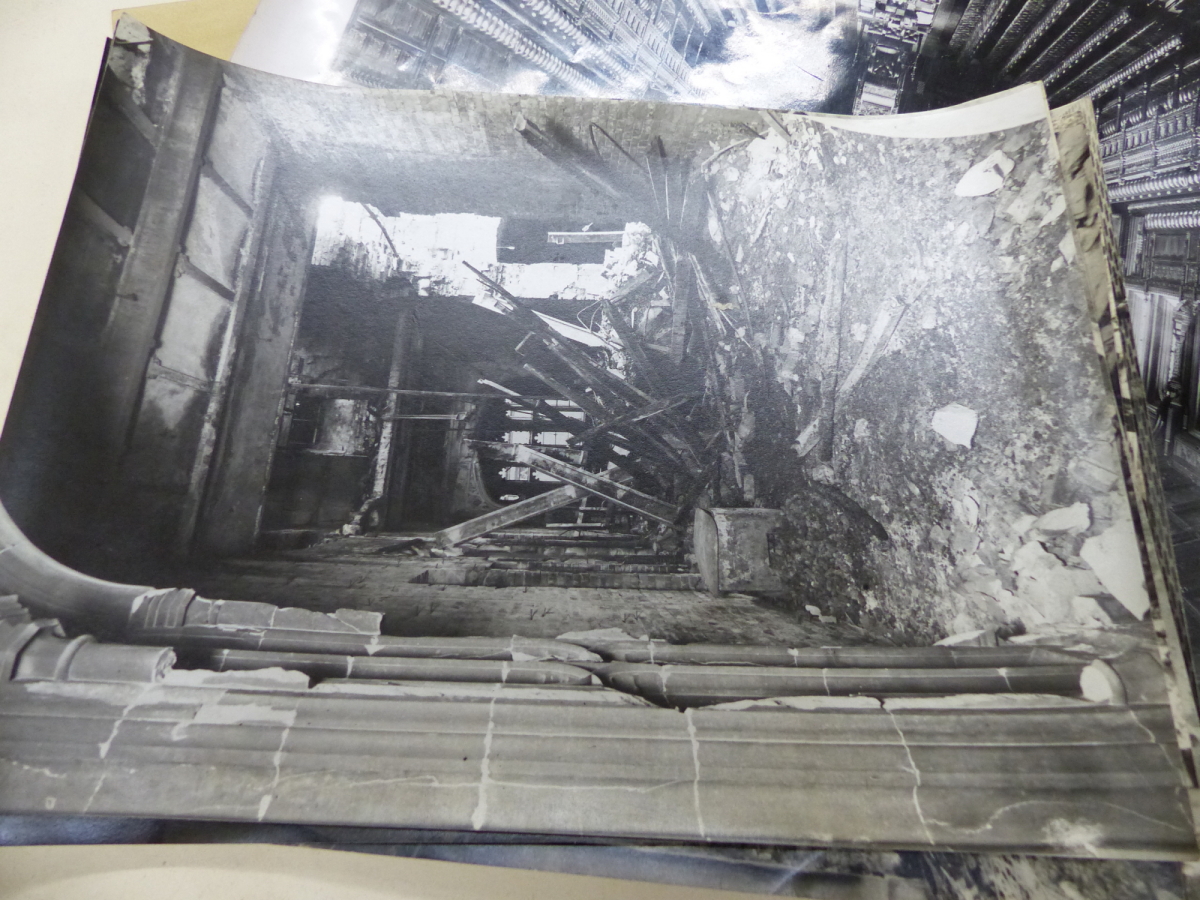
(916, 385)
(361, 573)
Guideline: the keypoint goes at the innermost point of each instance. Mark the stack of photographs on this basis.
(544, 436)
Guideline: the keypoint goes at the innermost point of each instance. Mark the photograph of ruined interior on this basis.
(586, 468)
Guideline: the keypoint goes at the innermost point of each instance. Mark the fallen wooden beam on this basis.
(597, 485)
(630, 288)
(629, 340)
(646, 412)
(508, 515)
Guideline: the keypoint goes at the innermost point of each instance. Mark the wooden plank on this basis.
(681, 301)
(638, 415)
(403, 343)
(598, 485)
(632, 287)
(508, 515)
(351, 390)
(633, 346)
(95, 215)
(601, 381)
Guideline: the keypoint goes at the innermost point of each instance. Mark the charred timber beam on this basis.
(1128, 48)
(593, 409)
(579, 397)
(341, 390)
(632, 346)
(605, 384)
(598, 485)
(634, 286)
(629, 463)
(966, 25)
(985, 28)
(508, 515)
(656, 408)
(592, 172)
(681, 301)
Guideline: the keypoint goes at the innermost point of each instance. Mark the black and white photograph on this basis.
(793, 55)
(589, 468)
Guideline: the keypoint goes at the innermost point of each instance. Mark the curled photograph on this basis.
(591, 468)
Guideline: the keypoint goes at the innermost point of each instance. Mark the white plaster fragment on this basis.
(956, 423)
(985, 177)
(1072, 519)
(1023, 524)
(1057, 208)
(1086, 611)
(807, 439)
(1067, 247)
(1114, 557)
(977, 637)
(1047, 584)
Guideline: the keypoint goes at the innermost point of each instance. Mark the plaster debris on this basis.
(986, 176)
(1072, 519)
(1047, 584)
(956, 423)
(979, 637)
(1057, 208)
(1067, 247)
(807, 439)
(1114, 557)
